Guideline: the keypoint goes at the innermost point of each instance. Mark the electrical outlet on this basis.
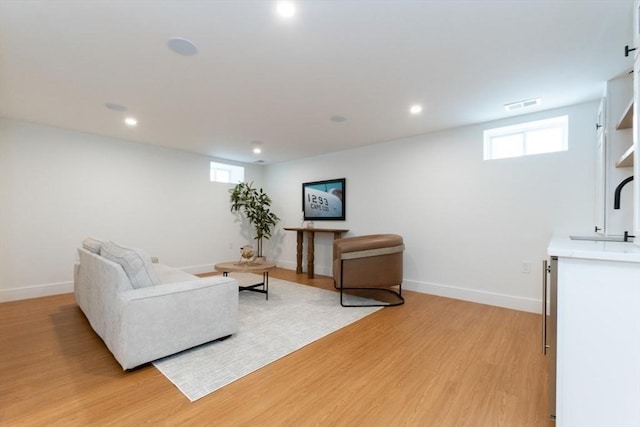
(526, 267)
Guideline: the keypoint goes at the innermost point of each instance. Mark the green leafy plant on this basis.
(255, 205)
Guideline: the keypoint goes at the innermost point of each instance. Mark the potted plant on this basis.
(254, 204)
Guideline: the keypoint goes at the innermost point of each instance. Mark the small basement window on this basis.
(524, 139)
(222, 172)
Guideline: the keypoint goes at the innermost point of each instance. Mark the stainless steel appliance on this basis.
(550, 325)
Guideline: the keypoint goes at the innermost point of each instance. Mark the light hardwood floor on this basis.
(430, 362)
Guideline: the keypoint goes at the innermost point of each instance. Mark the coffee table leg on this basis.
(265, 280)
(257, 286)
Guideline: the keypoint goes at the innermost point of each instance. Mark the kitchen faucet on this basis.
(616, 198)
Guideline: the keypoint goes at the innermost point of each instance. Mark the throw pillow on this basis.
(92, 245)
(136, 263)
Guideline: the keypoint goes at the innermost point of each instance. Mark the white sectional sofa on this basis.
(144, 311)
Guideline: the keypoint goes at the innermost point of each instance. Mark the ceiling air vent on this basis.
(522, 104)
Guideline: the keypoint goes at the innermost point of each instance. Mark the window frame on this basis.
(235, 173)
(524, 129)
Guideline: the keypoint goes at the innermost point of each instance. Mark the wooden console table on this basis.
(337, 234)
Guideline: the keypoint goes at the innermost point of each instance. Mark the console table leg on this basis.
(337, 234)
(299, 237)
(310, 254)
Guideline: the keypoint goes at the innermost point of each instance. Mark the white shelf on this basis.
(626, 121)
(626, 160)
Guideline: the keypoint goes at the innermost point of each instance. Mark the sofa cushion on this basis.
(136, 263)
(92, 245)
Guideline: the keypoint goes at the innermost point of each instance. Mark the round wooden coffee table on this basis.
(249, 267)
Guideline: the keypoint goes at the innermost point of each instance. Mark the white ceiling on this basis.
(257, 77)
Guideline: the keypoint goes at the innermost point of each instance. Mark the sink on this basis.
(601, 238)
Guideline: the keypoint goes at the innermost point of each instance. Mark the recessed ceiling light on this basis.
(415, 109)
(522, 104)
(115, 107)
(257, 149)
(130, 121)
(286, 9)
(182, 46)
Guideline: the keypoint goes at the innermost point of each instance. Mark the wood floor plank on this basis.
(430, 362)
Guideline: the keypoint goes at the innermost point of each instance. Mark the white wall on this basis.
(59, 186)
(468, 224)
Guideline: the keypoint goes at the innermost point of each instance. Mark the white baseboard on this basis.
(482, 297)
(199, 269)
(287, 265)
(473, 295)
(465, 294)
(37, 291)
(48, 289)
(318, 270)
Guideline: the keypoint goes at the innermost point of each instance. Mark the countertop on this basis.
(588, 249)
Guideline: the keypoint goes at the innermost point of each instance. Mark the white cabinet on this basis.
(619, 151)
(601, 169)
(636, 122)
(636, 142)
(598, 343)
(636, 25)
(617, 144)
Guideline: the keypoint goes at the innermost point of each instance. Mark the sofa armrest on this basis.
(169, 289)
(157, 321)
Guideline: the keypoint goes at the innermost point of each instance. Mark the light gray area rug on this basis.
(294, 316)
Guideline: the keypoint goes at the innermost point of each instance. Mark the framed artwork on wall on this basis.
(324, 200)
